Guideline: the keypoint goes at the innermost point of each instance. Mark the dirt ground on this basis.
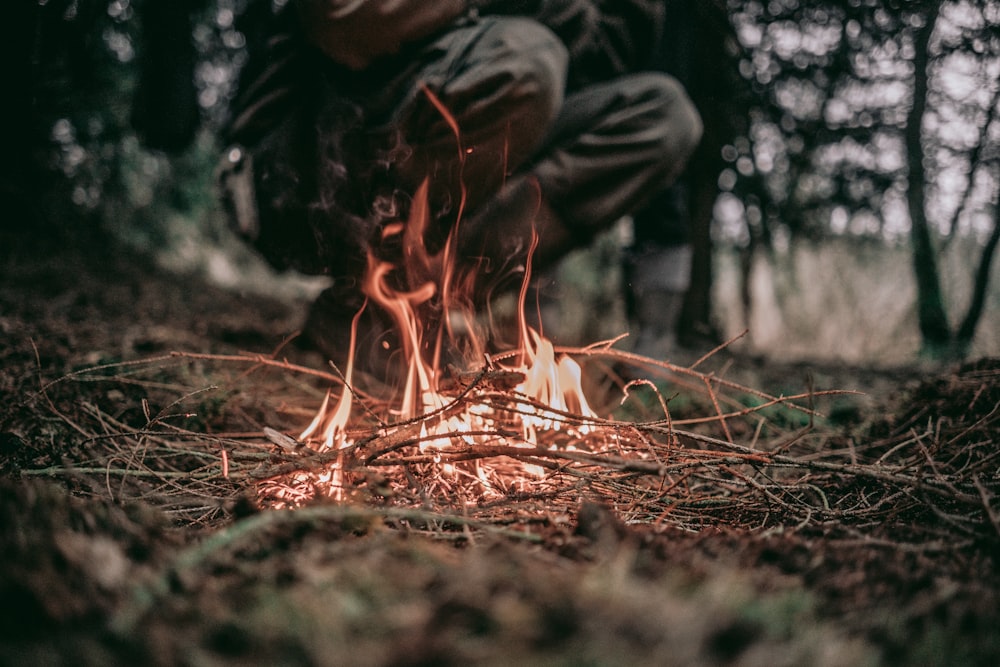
(870, 537)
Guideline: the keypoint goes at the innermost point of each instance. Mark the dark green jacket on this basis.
(604, 37)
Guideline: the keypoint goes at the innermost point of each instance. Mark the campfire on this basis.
(471, 433)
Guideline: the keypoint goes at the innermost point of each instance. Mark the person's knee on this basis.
(531, 58)
(680, 124)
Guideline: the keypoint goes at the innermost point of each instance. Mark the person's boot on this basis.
(659, 281)
(327, 329)
(656, 316)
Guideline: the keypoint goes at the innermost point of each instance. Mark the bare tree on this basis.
(939, 339)
(930, 304)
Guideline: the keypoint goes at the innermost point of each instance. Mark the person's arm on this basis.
(605, 38)
(355, 33)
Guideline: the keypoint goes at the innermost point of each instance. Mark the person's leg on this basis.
(612, 148)
(658, 271)
(615, 146)
(658, 280)
(472, 108)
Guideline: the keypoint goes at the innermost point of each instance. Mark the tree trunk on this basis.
(933, 319)
(715, 86)
(165, 111)
(966, 332)
(18, 170)
(696, 321)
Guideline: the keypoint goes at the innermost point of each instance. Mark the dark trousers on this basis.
(515, 149)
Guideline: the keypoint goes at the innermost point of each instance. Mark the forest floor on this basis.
(133, 409)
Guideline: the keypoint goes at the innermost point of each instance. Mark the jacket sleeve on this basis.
(355, 33)
(605, 38)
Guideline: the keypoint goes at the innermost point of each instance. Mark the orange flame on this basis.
(336, 422)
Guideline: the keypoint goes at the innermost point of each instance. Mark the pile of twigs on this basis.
(937, 481)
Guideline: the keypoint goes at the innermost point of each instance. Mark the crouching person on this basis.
(522, 116)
